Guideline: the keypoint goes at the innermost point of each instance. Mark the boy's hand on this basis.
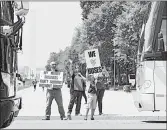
(79, 74)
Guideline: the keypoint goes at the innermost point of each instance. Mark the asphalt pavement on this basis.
(118, 108)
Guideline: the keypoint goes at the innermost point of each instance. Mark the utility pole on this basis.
(114, 65)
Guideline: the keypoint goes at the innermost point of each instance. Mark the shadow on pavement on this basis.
(155, 121)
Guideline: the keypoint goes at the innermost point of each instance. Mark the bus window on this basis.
(163, 25)
(3, 51)
(161, 43)
(5, 13)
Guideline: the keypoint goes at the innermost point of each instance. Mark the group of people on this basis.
(78, 85)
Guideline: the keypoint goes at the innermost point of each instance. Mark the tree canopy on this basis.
(111, 26)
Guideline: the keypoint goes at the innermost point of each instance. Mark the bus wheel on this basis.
(8, 122)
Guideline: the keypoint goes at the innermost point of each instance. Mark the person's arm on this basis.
(65, 75)
(82, 77)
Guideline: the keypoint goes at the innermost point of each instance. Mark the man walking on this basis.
(54, 93)
(34, 84)
(77, 92)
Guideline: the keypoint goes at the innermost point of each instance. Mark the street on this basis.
(112, 44)
(119, 113)
(82, 124)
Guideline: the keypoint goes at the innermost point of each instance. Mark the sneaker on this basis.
(68, 117)
(62, 117)
(101, 114)
(85, 118)
(92, 118)
(46, 118)
(78, 114)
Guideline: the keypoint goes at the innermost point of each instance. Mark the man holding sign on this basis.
(53, 91)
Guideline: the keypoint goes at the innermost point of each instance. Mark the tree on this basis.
(87, 6)
(100, 27)
(111, 26)
(129, 25)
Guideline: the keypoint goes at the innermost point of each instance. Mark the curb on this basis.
(97, 117)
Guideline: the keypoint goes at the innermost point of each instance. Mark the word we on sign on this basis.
(92, 54)
(51, 79)
(93, 61)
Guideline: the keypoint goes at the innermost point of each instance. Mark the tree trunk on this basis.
(119, 74)
(127, 78)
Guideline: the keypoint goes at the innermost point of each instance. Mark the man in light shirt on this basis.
(54, 93)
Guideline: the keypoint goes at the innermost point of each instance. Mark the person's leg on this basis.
(100, 100)
(72, 100)
(93, 107)
(88, 106)
(71, 104)
(76, 100)
(92, 114)
(49, 99)
(59, 101)
(86, 115)
(71, 92)
(78, 105)
(85, 97)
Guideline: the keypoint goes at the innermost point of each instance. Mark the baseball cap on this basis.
(53, 63)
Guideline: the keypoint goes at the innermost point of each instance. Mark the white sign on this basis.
(51, 79)
(93, 61)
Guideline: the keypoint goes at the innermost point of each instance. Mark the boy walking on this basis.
(92, 98)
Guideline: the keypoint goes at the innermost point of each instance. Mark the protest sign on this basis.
(93, 61)
(51, 79)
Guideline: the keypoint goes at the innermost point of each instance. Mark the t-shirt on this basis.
(92, 88)
(34, 82)
(78, 83)
(101, 82)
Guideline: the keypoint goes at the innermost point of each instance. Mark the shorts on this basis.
(92, 101)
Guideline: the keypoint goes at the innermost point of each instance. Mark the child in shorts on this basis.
(92, 98)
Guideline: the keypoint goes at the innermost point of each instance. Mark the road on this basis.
(119, 113)
(82, 124)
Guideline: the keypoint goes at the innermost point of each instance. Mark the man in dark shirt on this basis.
(34, 84)
(101, 80)
(76, 92)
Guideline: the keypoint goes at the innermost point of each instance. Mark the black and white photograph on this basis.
(83, 64)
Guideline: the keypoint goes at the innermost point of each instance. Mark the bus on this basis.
(151, 72)
(19, 82)
(11, 28)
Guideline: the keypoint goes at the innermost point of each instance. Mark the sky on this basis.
(49, 27)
